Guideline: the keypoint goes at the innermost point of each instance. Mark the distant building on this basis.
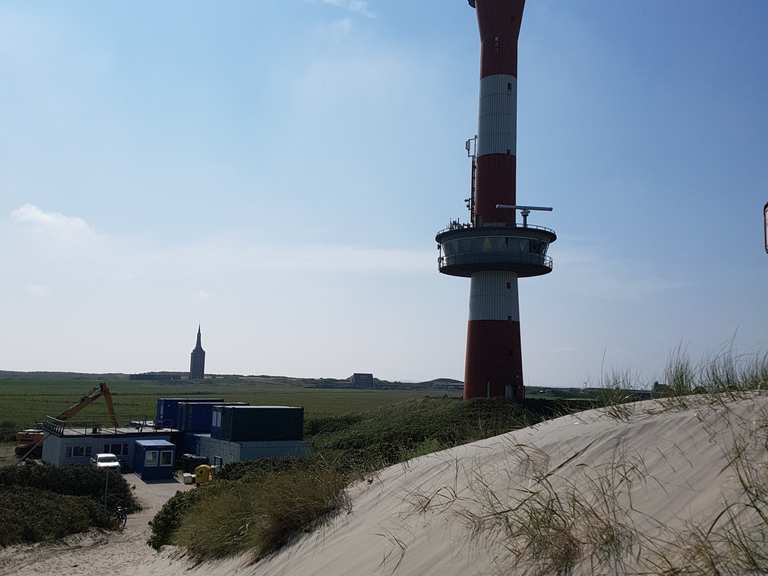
(362, 380)
(159, 376)
(197, 360)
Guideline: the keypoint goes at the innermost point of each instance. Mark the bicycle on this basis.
(120, 516)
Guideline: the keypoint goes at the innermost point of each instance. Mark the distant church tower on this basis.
(197, 361)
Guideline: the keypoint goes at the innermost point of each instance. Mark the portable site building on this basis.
(154, 459)
(67, 443)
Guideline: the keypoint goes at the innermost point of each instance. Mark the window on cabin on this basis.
(150, 459)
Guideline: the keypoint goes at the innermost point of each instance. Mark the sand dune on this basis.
(666, 467)
(626, 480)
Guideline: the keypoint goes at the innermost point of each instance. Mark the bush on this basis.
(328, 424)
(170, 516)
(261, 514)
(33, 515)
(256, 468)
(72, 481)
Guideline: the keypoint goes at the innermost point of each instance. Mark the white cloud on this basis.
(356, 6)
(31, 215)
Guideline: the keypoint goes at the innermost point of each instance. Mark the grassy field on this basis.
(25, 401)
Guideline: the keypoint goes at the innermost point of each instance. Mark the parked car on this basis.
(106, 461)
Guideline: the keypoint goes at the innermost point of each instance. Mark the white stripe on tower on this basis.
(497, 129)
(493, 296)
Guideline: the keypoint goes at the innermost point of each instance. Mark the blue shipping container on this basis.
(195, 417)
(167, 410)
(153, 459)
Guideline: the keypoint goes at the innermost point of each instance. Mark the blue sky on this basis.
(276, 170)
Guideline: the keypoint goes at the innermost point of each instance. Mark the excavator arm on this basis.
(101, 390)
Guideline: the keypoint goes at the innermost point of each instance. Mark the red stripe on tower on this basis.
(494, 365)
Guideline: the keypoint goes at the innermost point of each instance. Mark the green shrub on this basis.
(170, 516)
(241, 470)
(262, 514)
(33, 515)
(328, 424)
(72, 481)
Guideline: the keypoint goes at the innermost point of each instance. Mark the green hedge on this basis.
(81, 480)
(32, 515)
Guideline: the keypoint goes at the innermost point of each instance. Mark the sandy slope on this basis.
(682, 454)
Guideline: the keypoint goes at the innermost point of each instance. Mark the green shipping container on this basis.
(258, 423)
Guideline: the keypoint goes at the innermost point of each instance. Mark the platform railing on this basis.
(456, 225)
(93, 427)
(531, 258)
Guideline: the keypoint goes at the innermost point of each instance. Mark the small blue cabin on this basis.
(153, 459)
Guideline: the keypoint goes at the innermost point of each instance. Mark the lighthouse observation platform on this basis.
(522, 249)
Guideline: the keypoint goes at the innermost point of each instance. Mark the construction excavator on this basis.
(29, 443)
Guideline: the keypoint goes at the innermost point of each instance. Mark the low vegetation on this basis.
(32, 515)
(39, 503)
(259, 507)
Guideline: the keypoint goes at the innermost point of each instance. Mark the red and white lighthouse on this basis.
(493, 249)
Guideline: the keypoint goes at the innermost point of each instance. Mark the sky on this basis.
(276, 171)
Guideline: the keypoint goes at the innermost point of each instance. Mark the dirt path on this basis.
(96, 551)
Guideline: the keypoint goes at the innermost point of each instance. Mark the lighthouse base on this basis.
(494, 363)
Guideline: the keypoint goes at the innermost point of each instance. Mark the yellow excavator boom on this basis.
(101, 390)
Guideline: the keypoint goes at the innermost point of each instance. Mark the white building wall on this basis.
(230, 452)
(55, 448)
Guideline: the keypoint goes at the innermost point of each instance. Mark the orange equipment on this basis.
(101, 390)
(29, 440)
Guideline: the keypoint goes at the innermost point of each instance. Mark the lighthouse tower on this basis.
(493, 249)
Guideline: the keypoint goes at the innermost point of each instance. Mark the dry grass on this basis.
(261, 515)
(556, 522)
(616, 395)
(735, 540)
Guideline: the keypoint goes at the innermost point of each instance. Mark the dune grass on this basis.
(262, 513)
